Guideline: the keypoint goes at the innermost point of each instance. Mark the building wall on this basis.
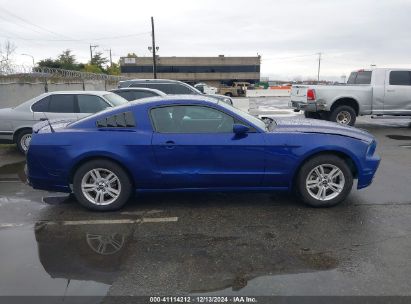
(194, 69)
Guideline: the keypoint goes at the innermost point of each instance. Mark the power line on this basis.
(85, 40)
(32, 24)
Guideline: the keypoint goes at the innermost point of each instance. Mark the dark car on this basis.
(170, 87)
(137, 93)
(189, 143)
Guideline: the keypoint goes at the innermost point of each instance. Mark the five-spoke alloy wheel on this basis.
(101, 185)
(324, 180)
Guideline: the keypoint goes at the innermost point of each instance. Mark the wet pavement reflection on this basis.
(211, 243)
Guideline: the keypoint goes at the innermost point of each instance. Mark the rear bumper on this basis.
(40, 178)
(305, 106)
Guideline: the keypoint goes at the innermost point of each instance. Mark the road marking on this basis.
(99, 222)
(10, 225)
(159, 219)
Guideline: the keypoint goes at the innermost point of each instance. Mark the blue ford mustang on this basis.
(187, 143)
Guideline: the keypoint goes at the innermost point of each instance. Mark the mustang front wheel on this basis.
(101, 185)
(324, 181)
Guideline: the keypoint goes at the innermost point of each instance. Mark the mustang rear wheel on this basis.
(101, 185)
(324, 181)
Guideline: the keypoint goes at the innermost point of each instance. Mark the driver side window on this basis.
(191, 119)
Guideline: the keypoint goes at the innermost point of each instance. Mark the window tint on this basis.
(91, 103)
(62, 103)
(142, 94)
(191, 119)
(363, 77)
(400, 78)
(115, 99)
(168, 88)
(360, 77)
(42, 105)
(134, 94)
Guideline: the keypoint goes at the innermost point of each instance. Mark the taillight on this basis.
(310, 94)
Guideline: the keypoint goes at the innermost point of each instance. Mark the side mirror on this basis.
(240, 129)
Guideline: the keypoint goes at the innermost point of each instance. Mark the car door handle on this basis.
(390, 91)
(170, 144)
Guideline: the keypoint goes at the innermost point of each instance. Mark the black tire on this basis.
(123, 180)
(312, 115)
(21, 140)
(309, 166)
(342, 111)
(229, 94)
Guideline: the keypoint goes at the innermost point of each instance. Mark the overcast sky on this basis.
(287, 34)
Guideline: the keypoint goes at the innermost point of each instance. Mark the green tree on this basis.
(114, 69)
(98, 60)
(92, 68)
(66, 60)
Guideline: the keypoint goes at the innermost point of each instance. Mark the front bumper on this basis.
(305, 106)
(366, 177)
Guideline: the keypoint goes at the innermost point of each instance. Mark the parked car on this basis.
(380, 91)
(137, 93)
(205, 88)
(238, 89)
(16, 123)
(189, 143)
(170, 87)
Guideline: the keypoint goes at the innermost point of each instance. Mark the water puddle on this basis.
(399, 137)
(13, 172)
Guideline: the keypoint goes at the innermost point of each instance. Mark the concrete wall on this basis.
(268, 93)
(16, 90)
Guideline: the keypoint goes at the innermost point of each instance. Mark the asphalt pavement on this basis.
(232, 244)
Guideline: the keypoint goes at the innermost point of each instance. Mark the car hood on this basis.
(320, 126)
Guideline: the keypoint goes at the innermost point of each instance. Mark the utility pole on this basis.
(319, 66)
(154, 49)
(91, 51)
(111, 59)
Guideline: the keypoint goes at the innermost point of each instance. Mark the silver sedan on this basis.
(16, 123)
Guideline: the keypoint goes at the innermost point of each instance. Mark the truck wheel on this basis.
(228, 94)
(23, 140)
(344, 115)
(312, 115)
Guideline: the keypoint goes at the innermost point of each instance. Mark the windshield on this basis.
(254, 120)
(115, 99)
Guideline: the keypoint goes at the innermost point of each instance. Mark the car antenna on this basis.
(51, 127)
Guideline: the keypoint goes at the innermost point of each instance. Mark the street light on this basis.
(32, 58)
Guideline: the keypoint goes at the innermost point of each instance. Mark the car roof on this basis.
(166, 98)
(99, 93)
(138, 89)
(151, 80)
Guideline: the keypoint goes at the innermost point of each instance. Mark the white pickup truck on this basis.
(379, 91)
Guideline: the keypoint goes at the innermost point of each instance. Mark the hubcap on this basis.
(25, 141)
(325, 182)
(344, 117)
(101, 186)
(105, 244)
